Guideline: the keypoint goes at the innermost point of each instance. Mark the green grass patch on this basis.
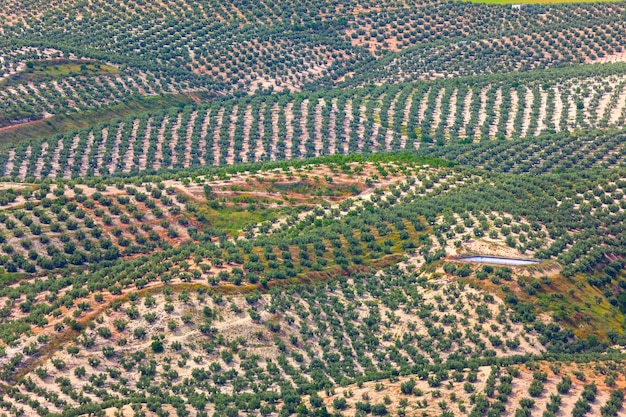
(582, 307)
(232, 220)
(304, 188)
(406, 157)
(40, 71)
(8, 278)
(64, 123)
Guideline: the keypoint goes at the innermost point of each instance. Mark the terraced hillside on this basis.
(275, 127)
(73, 86)
(250, 46)
(219, 289)
(547, 153)
(312, 209)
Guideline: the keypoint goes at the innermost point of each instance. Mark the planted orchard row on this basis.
(205, 136)
(244, 353)
(246, 46)
(279, 127)
(592, 210)
(545, 153)
(34, 100)
(409, 24)
(301, 340)
(52, 232)
(578, 43)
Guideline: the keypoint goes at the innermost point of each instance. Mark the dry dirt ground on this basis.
(302, 186)
(452, 396)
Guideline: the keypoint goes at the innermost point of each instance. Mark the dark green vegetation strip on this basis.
(395, 225)
(39, 71)
(548, 153)
(65, 123)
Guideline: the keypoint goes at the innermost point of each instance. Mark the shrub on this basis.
(157, 346)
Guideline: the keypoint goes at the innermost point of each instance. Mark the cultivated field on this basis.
(275, 127)
(255, 208)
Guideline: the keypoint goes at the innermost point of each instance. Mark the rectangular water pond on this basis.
(499, 260)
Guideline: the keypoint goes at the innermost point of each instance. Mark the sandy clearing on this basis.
(40, 161)
(232, 125)
(24, 165)
(497, 107)
(203, 135)
(84, 162)
(258, 150)
(573, 110)
(216, 136)
(55, 159)
(543, 110)
(129, 155)
(247, 126)
(482, 111)
(143, 158)
(437, 110)
(70, 159)
(617, 110)
(116, 148)
(423, 105)
(375, 128)
(304, 110)
(558, 109)
(347, 122)
(466, 112)
(510, 121)
(361, 126)
(528, 101)
(407, 108)
(8, 167)
(175, 136)
(275, 137)
(160, 139)
(100, 153)
(452, 114)
(332, 127)
(391, 111)
(317, 126)
(188, 138)
(289, 130)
